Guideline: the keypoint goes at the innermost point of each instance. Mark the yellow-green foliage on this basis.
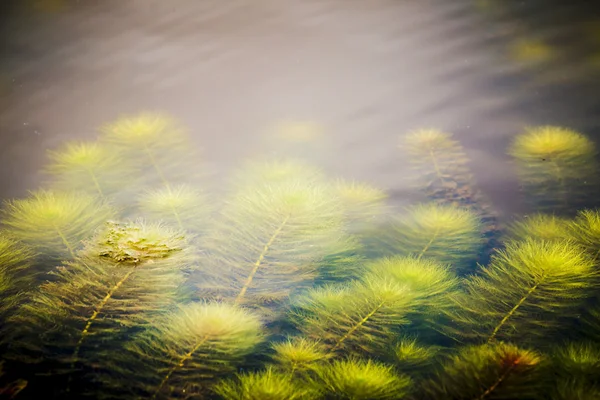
(299, 354)
(91, 167)
(266, 385)
(540, 226)
(489, 371)
(555, 166)
(526, 292)
(276, 172)
(585, 229)
(360, 316)
(16, 277)
(54, 223)
(447, 234)
(271, 240)
(440, 165)
(362, 202)
(123, 277)
(181, 206)
(411, 356)
(355, 379)
(155, 144)
(196, 344)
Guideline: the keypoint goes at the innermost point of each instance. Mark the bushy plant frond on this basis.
(16, 276)
(299, 353)
(489, 371)
(181, 206)
(155, 144)
(123, 277)
(540, 226)
(54, 223)
(575, 389)
(555, 166)
(269, 384)
(91, 167)
(526, 292)
(358, 379)
(270, 241)
(196, 344)
(578, 360)
(358, 317)
(275, 172)
(447, 234)
(585, 229)
(361, 201)
(412, 356)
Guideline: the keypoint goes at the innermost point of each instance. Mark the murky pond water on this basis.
(341, 85)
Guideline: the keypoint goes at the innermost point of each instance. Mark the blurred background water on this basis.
(365, 72)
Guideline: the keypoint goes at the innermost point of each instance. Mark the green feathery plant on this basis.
(361, 316)
(364, 205)
(90, 167)
(555, 166)
(526, 292)
(585, 229)
(181, 206)
(195, 345)
(430, 283)
(447, 234)
(269, 384)
(16, 276)
(355, 379)
(540, 226)
(153, 142)
(54, 223)
(269, 241)
(485, 372)
(122, 278)
(276, 172)
(412, 357)
(298, 354)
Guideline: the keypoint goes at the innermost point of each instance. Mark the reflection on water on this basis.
(307, 200)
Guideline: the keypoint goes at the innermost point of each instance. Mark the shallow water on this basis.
(364, 73)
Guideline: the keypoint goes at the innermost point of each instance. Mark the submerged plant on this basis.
(271, 240)
(276, 172)
(447, 234)
(91, 167)
(362, 203)
(299, 353)
(540, 226)
(54, 223)
(198, 343)
(526, 292)
(181, 206)
(123, 277)
(555, 165)
(16, 277)
(357, 317)
(489, 371)
(585, 229)
(355, 379)
(154, 141)
(412, 357)
(269, 384)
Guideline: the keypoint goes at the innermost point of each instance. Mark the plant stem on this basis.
(96, 183)
(65, 241)
(428, 245)
(180, 364)
(260, 259)
(499, 381)
(356, 327)
(155, 166)
(511, 312)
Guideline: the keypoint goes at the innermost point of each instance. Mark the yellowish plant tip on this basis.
(548, 142)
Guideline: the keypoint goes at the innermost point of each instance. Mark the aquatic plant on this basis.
(269, 241)
(299, 354)
(488, 371)
(123, 277)
(361, 316)
(555, 166)
(362, 202)
(585, 229)
(275, 172)
(447, 234)
(528, 289)
(90, 167)
(180, 206)
(16, 277)
(54, 223)
(153, 141)
(539, 226)
(197, 343)
(269, 384)
(358, 379)
(413, 357)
